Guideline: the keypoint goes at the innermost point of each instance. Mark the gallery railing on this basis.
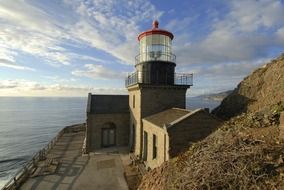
(155, 56)
(148, 78)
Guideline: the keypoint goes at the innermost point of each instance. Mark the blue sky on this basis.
(72, 47)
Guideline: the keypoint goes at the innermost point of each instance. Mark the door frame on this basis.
(102, 139)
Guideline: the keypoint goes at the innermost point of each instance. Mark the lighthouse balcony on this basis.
(139, 77)
(155, 56)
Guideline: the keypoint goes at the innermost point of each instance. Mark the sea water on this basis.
(27, 124)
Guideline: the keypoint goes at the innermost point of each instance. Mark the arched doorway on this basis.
(108, 137)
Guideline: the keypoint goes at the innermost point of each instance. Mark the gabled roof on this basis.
(167, 116)
(104, 104)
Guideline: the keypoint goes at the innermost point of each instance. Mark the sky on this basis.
(73, 47)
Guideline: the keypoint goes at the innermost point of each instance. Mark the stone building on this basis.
(153, 122)
(169, 133)
(107, 121)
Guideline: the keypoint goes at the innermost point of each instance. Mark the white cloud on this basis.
(239, 69)
(28, 29)
(32, 88)
(280, 35)
(216, 78)
(11, 64)
(251, 15)
(59, 79)
(112, 26)
(98, 72)
(245, 33)
(8, 84)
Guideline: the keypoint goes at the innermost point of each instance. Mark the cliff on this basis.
(261, 89)
(216, 96)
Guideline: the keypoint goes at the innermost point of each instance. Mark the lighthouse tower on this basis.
(154, 86)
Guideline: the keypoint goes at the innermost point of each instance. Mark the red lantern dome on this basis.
(156, 30)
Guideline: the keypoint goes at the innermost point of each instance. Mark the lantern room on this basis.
(155, 44)
(155, 63)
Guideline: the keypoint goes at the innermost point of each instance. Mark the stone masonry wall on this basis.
(162, 144)
(155, 100)
(135, 121)
(97, 121)
(192, 129)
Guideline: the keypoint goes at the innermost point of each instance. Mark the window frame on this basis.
(155, 149)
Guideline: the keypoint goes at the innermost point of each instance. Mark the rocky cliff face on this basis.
(263, 88)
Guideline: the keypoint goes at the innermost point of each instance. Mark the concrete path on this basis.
(95, 171)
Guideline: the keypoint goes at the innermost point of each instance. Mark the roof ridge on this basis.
(184, 117)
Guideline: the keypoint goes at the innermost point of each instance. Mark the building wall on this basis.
(135, 121)
(162, 144)
(151, 99)
(192, 129)
(159, 98)
(95, 123)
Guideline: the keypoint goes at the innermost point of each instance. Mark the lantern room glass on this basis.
(155, 47)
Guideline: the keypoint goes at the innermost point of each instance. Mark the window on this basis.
(154, 146)
(133, 99)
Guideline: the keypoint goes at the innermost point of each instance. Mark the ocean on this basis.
(27, 124)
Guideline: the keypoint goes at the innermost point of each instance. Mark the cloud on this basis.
(216, 78)
(239, 69)
(11, 64)
(28, 29)
(60, 79)
(280, 35)
(8, 84)
(245, 33)
(112, 26)
(249, 16)
(32, 88)
(98, 72)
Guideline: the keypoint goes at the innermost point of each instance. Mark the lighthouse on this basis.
(152, 120)
(154, 86)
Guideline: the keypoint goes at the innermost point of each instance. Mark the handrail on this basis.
(155, 56)
(31, 165)
(140, 77)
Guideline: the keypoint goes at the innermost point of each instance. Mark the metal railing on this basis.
(139, 77)
(31, 165)
(183, 79)
(155, 56)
